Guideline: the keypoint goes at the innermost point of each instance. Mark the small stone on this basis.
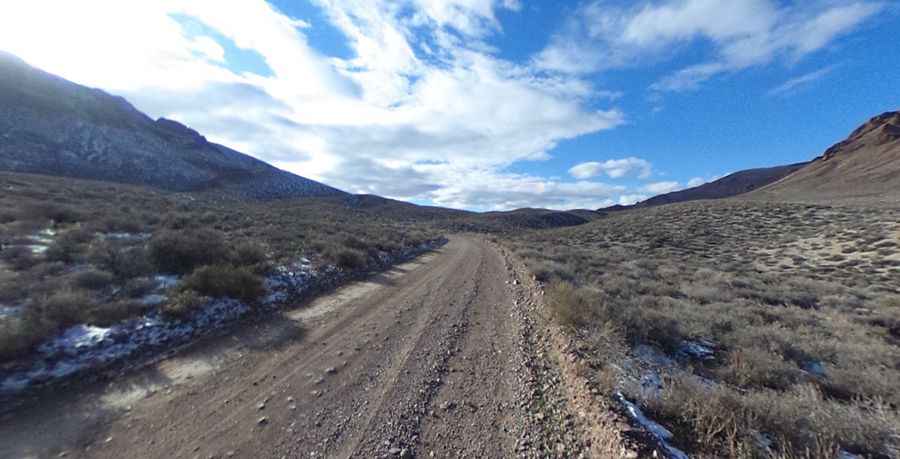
(261, 406)
(262, 421)
(331, 370)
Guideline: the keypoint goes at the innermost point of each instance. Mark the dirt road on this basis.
(431, 359)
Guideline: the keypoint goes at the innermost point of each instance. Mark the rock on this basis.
(331, 370)
(261, 406)
(262, 421)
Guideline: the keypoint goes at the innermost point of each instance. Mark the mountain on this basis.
(49, 125)
(864, 167)
(731, 185)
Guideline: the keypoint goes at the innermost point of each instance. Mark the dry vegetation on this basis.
(800, 303)
(78, 251)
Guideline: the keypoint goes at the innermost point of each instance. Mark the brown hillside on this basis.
(864, 168)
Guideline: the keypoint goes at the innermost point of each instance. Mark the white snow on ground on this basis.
(166, 281)
(662, 435)
(700, 350)
(9, 311)
(153, 299)
(87, 347)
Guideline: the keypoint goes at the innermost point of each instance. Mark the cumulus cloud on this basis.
(741, 34)
(423, 109)
(662, 187)
(613, 168)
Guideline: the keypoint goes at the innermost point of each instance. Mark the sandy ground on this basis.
(427, 360)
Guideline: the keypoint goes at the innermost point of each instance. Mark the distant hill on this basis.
(49, 125)
(864, 167)
(731, 185)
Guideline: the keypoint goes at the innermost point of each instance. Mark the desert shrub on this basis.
(64, 308)
(138, 287)
(19, 334)
(350, 259)
(65, 249)
(56, 213)
(225, 281)
(183, 303)
(570, 306)
(129, 224)
(353, 242)
(177, 221)
(181, 252)
(249, 254)
(19, 258)
(106, 314)
(93, 279)
(124, 262)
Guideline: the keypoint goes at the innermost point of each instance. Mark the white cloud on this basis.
(613, 168)
(696, 181)
(802, 80)
(631, 199)
(662, 187)
(436, 119)
(741, 34)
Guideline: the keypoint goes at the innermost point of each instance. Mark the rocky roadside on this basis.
(570, 417)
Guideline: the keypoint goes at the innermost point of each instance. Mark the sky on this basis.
(487, 104)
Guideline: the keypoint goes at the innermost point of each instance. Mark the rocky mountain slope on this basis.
(864, 167)
(49, 125)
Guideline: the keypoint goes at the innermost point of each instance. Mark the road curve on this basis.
(425, 360)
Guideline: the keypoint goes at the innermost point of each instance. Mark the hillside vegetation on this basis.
(749, 329)
(77, 251)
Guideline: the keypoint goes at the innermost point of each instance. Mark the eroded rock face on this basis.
(52, 126)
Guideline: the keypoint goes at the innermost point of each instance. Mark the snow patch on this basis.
(700, 349)
(9, 311)
(662, 435)
(87, 347)
(164, 282)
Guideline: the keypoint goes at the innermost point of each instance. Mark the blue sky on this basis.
(487, 104)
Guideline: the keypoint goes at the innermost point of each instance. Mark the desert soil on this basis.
(440, 357)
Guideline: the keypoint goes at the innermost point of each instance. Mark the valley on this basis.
(163, 295)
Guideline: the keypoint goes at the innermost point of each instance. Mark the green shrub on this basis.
(183, 303)
(19, 258)
(124, 262)
(107, 314)
(249, 254)
(182, 252)
(19, 334)
(56, 213)
(64, 249)
(64, 308)
(570, 306)
(93, 279)
(350, 260)
(225, 281)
